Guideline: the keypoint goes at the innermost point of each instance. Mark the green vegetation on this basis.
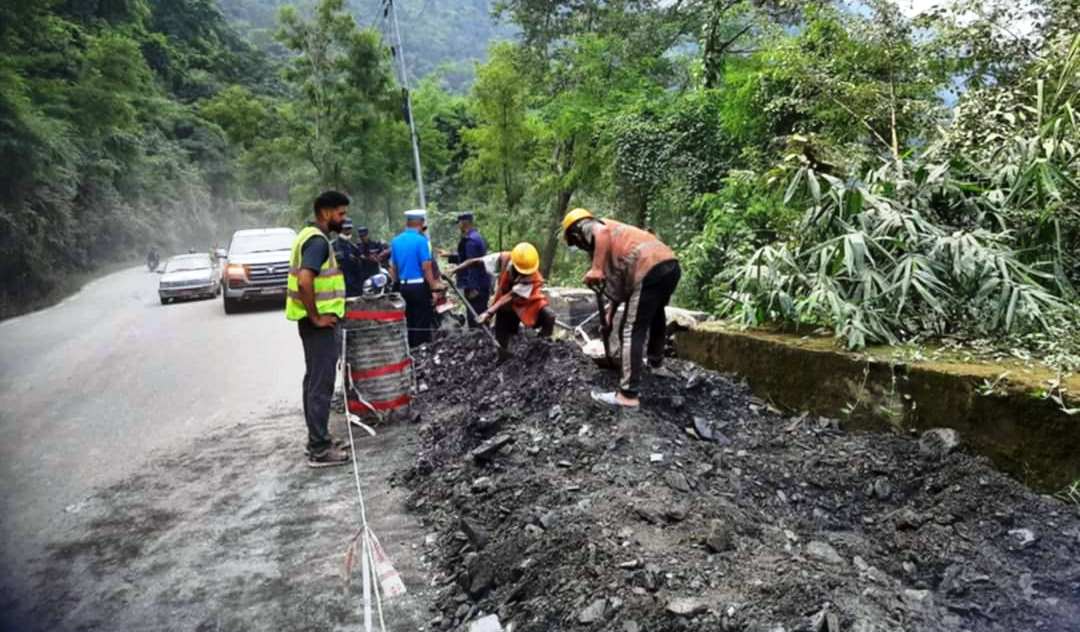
(883, 176)
(103, 146)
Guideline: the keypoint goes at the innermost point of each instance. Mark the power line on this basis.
(396, 50)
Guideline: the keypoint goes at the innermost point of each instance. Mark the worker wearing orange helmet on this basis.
(634, 269)
(519, 295)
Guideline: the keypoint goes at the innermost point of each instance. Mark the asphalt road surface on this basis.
(152, 474)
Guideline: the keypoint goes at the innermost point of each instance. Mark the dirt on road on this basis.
(233, 532)
(707, 511)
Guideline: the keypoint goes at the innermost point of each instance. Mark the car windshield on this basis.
(187, 264)
(271, 242)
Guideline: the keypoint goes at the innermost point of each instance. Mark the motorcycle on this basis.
(376, 284)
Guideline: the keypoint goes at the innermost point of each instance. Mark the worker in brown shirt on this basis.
(637, 270)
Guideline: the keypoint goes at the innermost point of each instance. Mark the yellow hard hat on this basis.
(525, 258)
(574, 217)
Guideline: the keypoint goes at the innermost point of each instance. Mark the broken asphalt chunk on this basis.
(939, 442)
(1023, 537)
(823, 552)
(687, 606)
(677, 480)
(881, 488)
(676, 512)
(489, 623)
(487, 450)
(908, 518)
(646, 514)
(703, 428)
(719, 538)
(477, 536)
(482, 485)
(593, 612)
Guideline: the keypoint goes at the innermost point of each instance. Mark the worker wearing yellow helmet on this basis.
(632, 267)
(519, 295)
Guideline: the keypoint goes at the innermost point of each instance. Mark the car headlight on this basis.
(236, 271)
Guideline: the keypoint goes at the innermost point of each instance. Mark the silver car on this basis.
(189, 276)
(257, 266)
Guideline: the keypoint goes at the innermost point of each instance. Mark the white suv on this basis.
(257, 266)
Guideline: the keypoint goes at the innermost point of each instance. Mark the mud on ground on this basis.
(230, 533)
(557, 514)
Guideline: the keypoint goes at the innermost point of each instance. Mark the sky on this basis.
(917, 6)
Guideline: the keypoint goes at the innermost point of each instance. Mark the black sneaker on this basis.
(328, 458)
(340, 444)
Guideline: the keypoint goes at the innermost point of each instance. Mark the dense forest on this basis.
(884, 174)
(104, 145)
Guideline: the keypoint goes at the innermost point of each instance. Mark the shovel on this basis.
(605, 331)
(468, 306)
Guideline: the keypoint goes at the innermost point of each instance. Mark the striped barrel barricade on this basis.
(377, 356)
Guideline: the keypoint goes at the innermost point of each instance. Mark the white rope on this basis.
(367, 564)
(370, 540)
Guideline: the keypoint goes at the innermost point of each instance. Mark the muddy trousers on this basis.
(507, 324)
(320, 363)
(419, 312)
(644, 320)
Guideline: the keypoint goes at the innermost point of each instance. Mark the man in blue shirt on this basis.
(413, 272)
(474, 281)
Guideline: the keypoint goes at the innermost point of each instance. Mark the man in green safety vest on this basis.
(316, 301)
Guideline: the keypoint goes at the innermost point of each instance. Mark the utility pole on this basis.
(400, 54)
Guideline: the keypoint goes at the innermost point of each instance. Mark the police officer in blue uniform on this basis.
(348, 258)
(413, 272)
(474, 281)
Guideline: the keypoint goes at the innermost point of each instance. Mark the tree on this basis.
(342, 75)
(501, 143)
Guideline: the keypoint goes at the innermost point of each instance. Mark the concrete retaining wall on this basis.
(1022, 433)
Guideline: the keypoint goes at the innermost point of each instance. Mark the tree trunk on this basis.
(547, 257)
(564, 163)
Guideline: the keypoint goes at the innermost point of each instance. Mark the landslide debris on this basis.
(707, 511)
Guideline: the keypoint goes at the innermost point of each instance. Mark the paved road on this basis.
(91, 387)
(111, 395)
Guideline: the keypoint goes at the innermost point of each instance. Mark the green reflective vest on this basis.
(329, 283)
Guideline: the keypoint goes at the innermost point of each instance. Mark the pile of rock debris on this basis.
(708, 510)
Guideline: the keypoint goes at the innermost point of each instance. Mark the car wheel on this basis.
(231, 306)
(164, 301)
